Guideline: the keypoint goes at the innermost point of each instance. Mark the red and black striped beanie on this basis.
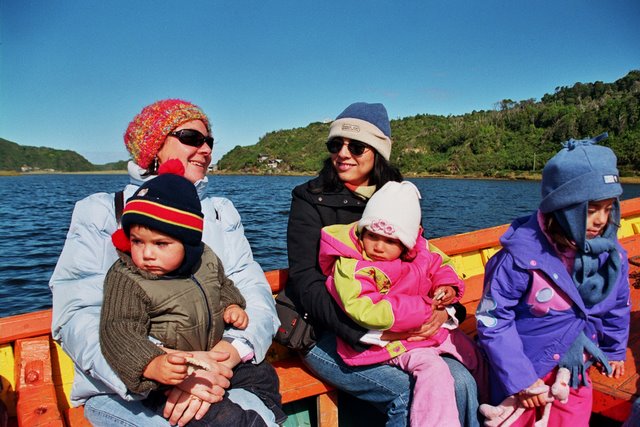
(168, 203)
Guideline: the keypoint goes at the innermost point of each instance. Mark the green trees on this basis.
(516, 137)
(14, 157)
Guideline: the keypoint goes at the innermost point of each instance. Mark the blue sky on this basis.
(73, 73)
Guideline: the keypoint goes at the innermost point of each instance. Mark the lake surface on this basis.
(35, 211)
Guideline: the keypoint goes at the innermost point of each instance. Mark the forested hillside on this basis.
(14, 157)
(517, 137)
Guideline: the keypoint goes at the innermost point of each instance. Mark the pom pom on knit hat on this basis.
(368, 123)
(581, 171)
(394, 211)
(148, 130)
(121, 241)
(168, 203)
(171, 166)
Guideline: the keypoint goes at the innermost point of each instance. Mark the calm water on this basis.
(35, 212)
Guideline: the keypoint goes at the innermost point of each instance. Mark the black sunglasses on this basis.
(356, 148)
(192, 137)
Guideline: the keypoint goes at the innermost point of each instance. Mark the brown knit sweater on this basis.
(182, 313)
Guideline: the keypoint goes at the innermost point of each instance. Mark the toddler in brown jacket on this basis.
(167, 301)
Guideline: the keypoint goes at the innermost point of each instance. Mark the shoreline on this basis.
(507, 176)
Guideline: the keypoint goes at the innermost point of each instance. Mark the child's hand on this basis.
(618, 369)
(535, 395)
(444, 296)
(170, 368)
(236, 316)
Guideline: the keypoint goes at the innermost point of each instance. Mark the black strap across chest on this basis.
(119, 203)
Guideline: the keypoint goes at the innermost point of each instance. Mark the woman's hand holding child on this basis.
(193, 396)
(442, 297)
(430, 327)
(181, 407)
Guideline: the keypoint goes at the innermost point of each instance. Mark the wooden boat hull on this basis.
(37, 375)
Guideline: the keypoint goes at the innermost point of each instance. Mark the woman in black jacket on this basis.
(360, 145)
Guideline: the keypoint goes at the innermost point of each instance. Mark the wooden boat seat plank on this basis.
(75, 417)
(296, 382)
(25, 325)
(37, 403)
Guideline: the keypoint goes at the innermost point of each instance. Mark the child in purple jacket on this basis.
(557, 295)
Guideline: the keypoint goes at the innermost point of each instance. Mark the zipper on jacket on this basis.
(206, 300)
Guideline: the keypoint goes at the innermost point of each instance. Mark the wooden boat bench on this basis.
(296, 382)
(39, 388)
(44, 374)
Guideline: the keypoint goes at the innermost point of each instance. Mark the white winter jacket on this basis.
(88, 253)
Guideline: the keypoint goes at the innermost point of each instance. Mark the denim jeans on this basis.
(634, 416)
(387, 387)
(261, 381)
(112, 410)
(224, 413)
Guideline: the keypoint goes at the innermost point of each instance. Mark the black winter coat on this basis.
(310, 211)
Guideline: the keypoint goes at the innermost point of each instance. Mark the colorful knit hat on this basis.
(169, 204)
(148, 130)
(368, 123)
(394, 211)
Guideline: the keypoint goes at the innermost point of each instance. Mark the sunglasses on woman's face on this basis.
(192, 138)
(356, 148)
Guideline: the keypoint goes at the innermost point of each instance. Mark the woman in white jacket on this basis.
(164, 130)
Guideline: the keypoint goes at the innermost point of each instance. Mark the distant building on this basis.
(274, 163)
(271, 162)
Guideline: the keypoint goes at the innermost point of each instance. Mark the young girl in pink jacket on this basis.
(383, 275)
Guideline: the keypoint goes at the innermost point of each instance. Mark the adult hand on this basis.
(204, 386)
(394, 336)
(431, 326)
(182, 407)
(208, 385)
